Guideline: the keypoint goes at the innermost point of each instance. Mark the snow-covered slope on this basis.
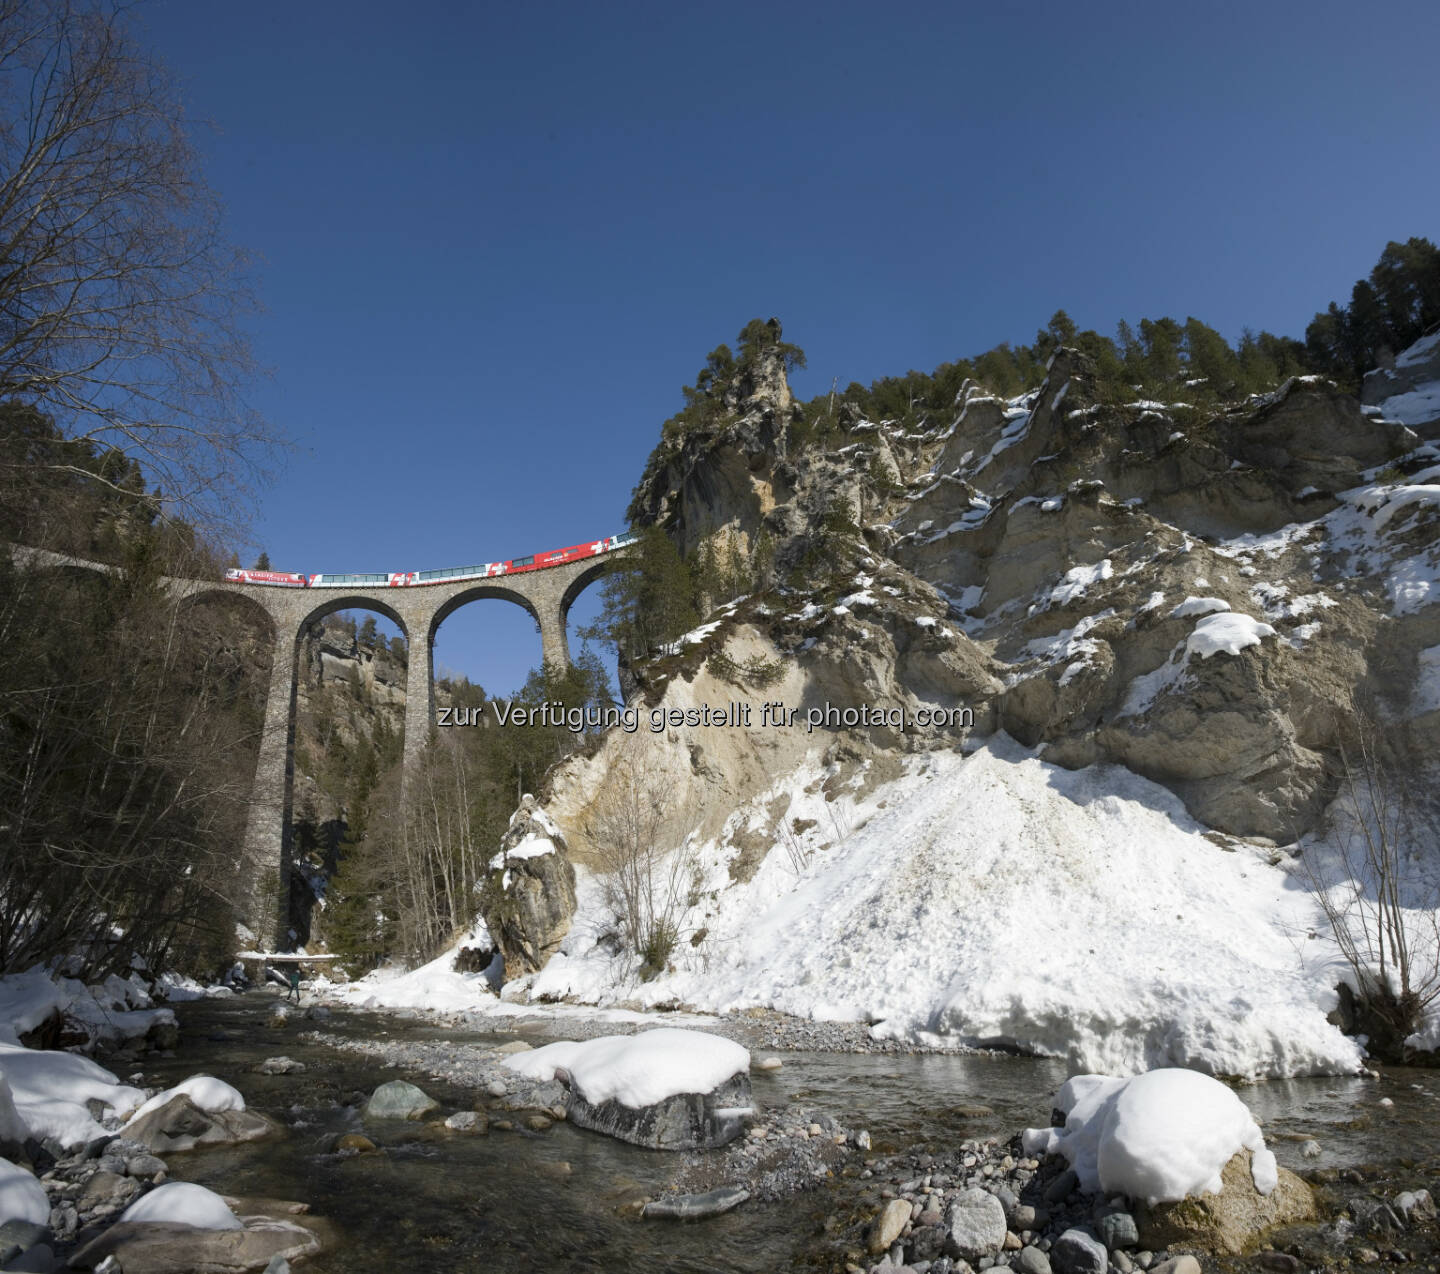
(1410, 391)
(998, 899)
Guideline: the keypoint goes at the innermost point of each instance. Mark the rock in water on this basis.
(694, 1207)
(975, 1225)
(163, 1247)
(181, 1125)
(399, 1100)
(1232, 1221)
(686, 1121)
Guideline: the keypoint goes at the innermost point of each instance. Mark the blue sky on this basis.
(495, 240)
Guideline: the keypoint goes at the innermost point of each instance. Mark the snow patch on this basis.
(1199, 606)
(1228, 632)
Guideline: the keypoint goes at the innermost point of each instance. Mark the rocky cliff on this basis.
(1201, 597)
(1204, 598)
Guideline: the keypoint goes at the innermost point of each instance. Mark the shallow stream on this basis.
(518, 1201)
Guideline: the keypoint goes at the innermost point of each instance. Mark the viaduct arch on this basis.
(546, 595)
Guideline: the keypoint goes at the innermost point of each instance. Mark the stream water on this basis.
(435, 1201)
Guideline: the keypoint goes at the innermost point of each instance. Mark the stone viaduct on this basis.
(546, 595)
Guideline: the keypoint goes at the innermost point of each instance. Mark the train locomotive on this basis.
(419, 579)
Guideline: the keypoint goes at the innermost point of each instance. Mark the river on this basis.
(437, 1201)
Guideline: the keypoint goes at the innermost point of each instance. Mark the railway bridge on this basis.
(546, 595)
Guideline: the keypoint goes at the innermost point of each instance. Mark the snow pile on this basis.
(1159, 1137)
(638, 1070)
(1145, 944)
(183, 1203)
(22, 1198)
(432, 986)
(49, 1091)
(118, 1008)
(1228, 632)
(26, 1000)
(205, 1091)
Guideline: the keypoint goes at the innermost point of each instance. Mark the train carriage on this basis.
(449, 575)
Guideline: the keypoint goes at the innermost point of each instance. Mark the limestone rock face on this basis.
(1233, 1221)
(533, 891)
(1309, 434)
(687, 1121)
(1047, 561)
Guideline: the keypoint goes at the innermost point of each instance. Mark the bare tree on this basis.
(1383, 911)
(646, 886)
(120, 301)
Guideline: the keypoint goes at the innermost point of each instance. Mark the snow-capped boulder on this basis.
(667, 1089)
(184, 1203)
(182, 1125)
(1185, 1148)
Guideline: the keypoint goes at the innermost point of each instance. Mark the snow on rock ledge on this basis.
(1228, 632)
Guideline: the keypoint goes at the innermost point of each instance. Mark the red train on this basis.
(413, 579)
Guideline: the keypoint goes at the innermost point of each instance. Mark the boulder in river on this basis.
(399, 1100)
(686, 1121)
(181, 1125)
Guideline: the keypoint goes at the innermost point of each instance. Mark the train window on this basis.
(524, 561)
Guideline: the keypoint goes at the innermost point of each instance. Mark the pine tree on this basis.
(262, 563)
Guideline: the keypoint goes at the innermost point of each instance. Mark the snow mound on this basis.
(50, 1089)
(26, 1000)
(1228, 632)
(638, 1070)
(435, 986)
(1145, 944)
(22, 1198)
(183, 1203)
(205, 1091)
(1160, 1137)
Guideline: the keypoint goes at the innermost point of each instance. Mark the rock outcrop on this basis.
(530, 893)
